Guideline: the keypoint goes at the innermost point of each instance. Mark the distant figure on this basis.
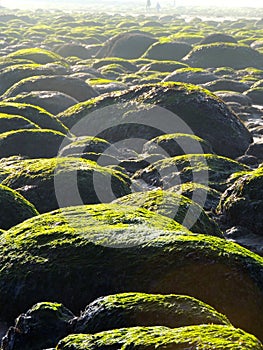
(148, 4)
(158, 7)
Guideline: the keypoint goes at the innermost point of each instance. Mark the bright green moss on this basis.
(37, 55)
(203, 337)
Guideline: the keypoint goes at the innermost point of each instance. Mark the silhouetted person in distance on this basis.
(148, 4)
(158, 7)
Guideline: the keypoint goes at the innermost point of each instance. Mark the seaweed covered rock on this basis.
(176, 144)
(131, 111)
(141, 309)
(58, 182)
(37, 55)
(53, 102)
(204, 337)
(206, 169)
(167, 51)
(13, 74)
(126, 45)
(40, 327)
(197, 192)
(32, 143)
(71, 86)
(224, 55)
(14, 208)
(85, 144)
(48, 256)
(191, 75)
(242, 203)
(226, 84)
(9, 122)
(35, 114)
(175, 206)
(217, 38)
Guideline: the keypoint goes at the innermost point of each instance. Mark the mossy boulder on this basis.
(76, 50)
(207, 169)
(85, 144)
(141, 309)
(126, 45)
(226, 84)
(162, 66)
(37, 55)
(224, 54)
(176, 144)
(191, 75)
(35, 114)
(32, 143)
(198, 192)
(206, 115)
(14, 208)
(175, 206)
(235, 97)
(256, 95)
(204, 337)
(9, 122)
(217, 38)
(167, 51)
(242, 203)
(50, 183)
(73, 87)
(13, 74)
(40, 327)
(53, 102)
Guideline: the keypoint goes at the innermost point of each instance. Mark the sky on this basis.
(57, 3)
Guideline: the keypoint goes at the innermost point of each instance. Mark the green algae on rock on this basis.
(35, 114)
(14, 208)
(205, 114)
(205, 337)
(242, 202)
(32, 143)
(109, 249)
(175, 206)
(55, 182)
(141, 309)
(206, 169)
(9, 122)
(41, 326)
(37, 55)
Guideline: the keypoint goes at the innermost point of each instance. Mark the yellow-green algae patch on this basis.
(203, 337)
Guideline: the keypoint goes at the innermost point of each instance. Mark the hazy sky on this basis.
(164, 3)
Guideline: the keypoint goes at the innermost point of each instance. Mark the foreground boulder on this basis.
(40, 327)
(184, 108)
(242, 203)
(108, 249)
(175, 206)
(140, 309)
(14, 208)
(59, 182)
(205, 337)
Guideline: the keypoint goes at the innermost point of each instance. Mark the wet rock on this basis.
(167, 51)
(242, 204)
(41, 326)
(224, 54)
(256, 150)
(230, 96)
(53, 102)
(32, 143)
(126, 45)
(174, 206)
(74, 87)
(140, 106)
(176, 144)
(218, 37)
(75, 50)
(256, 95)
(141, 309)
(207, 169)
(9, 122)
(35, 114)
(226, 84)
(191, 75)
(183, 338)
(59, 182)
(14, 208)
